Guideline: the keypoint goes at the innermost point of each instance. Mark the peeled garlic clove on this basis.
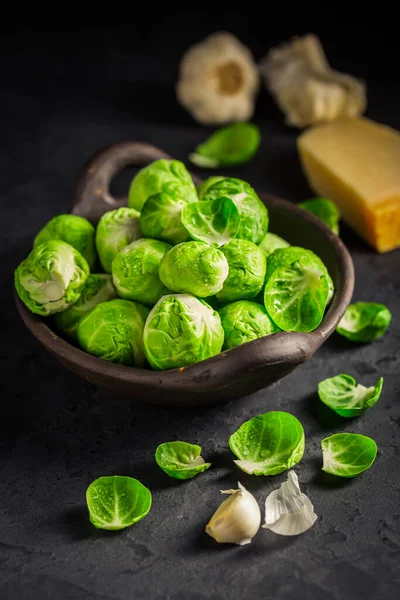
(218, 80)
(287, 510)
(237, 520)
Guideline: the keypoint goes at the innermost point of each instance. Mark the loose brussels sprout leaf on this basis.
(135, 271)
(113, 331)
(349, 399)
(296, 296)
(181, 330)
(194, 268)
(268, 444)
(169, 176)
(247, 267)
(215, 222)
(253, 213)
(161, 218)
(234, 144)
(244, 321)
(180, 459)
(51, 277)
(364, 321)
(272, 242)
(347, 454)
(325, 210)
(115, 230)
(98, 288)
(73, 230)
(202, 188)
(117, 502)
(284, 257)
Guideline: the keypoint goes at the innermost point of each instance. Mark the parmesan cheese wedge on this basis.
(356, 163)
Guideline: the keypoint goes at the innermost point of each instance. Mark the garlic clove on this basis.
(237, 519)
(287, 510)
(306, 88)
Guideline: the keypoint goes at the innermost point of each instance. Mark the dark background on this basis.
(68, 88)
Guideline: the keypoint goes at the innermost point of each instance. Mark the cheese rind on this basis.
(356, 163)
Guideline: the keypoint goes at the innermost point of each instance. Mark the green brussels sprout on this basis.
(51, 277)
(169, 176)
(135, 271)
(284, 257)
(325, 210)
(233, 144)
(364, 322)
(253, 213)
(73, 230)
(272, 242)
(181, 330)
(194, 268)
(113, 331)
(161, 218)
(97, 289)
(115, 230)
(247, 267)
(215, 222)
(296, 295)
(203, 187)
(244, 321)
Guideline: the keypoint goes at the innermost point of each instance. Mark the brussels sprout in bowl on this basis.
(234, 372)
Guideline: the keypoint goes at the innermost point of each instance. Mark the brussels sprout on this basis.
(284, 257)
(181, 459)
(115, 230)
(349, 399)
(117, 502)
(73, 230)
(98, 288)
(51, 278)
(215, 222)
(181, 330)
(161, 218)
(244, 321)
(296, 296)
(135, 271)
(268, 444)
(113, 331)
(325, 210)
(247, 266)
(203, 187)
(234, 144)
(253, 213)
(364, 322)
(272, 242)
(194, 268)
(169, 176)
(347, 454)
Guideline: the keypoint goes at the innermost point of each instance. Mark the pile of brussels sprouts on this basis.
(176, 276)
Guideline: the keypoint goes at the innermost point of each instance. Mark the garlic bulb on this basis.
(306, 88)
(287, 510)
(237, 520)
(218, 80)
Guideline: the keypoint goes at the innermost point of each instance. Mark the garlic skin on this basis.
(287, 510)
(237, 519)
(218, 80)
(306, 88)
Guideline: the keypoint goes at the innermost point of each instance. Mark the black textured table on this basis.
(58, 433)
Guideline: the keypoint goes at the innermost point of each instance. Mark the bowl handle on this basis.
(92, 193)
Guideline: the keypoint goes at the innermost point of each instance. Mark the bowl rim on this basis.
(277, 348)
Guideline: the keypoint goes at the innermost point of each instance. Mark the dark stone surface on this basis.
(58, 433)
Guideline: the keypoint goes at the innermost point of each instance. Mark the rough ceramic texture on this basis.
(58, 433)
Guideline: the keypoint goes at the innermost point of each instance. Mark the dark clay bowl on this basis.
(233, 373)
